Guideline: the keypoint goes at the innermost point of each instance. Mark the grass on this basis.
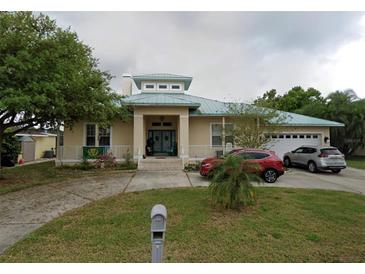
(356, 162)
(288, 225)
(43, 173)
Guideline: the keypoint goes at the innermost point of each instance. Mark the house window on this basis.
(90, 134)
(162, 86)
(104, 136)
(149, 86)
(156, 124)
(175, 87)
(217, 134)
(167, 124)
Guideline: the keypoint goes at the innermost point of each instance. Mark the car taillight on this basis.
(323, 155)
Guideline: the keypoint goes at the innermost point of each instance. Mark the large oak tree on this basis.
(49, 77)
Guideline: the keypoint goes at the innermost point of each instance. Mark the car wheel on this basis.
(312, 167)
(337, 170)
(287, 162)
(270, 175)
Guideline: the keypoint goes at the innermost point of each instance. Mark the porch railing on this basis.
(78, 153)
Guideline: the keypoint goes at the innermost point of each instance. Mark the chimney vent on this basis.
(126, 84)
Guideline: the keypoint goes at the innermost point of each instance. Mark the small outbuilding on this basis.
(37, 144)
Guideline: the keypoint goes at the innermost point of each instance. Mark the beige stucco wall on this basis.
(121, 134)
(190, 131)
(74, 136)
(42, 144)
(74, 140)
(200, 129)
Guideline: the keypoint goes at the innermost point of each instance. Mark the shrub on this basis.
(129, 163)
(84, 165)
(10, 147)
(231, 184)
(106, 160)
(192, 166)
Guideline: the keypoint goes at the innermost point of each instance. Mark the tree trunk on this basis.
(1, 148)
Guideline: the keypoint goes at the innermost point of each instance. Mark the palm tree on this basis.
(231, 184)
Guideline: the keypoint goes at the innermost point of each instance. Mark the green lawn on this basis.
(43, 173)
(288, 225)
(356, 162)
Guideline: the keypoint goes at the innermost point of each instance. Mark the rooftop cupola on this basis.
(162, 82)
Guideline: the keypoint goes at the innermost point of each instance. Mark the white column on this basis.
(138, 149)
(184, 136)
(224, 134)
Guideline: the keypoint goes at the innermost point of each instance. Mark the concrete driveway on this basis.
(26, 210)
(350, 179)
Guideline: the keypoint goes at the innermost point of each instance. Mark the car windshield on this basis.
(331, 151)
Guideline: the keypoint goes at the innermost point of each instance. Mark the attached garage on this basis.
(284, 142)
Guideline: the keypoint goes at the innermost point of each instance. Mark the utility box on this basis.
(158, 230)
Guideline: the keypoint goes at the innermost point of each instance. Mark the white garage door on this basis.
(284, 142)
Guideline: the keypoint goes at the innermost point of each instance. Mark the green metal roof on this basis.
(162, 77)
(199, 106)
(161, 99)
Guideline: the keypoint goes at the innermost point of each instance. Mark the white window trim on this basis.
(145, 86)
(211, 132)
(85, 133)
(177, 84)
(163, 89)
(96, 134)
(111, 136)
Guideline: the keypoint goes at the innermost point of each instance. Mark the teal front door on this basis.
(164, 142)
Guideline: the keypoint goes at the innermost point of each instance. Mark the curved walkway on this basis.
(26, 210)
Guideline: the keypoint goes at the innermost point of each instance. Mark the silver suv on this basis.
(316, 158)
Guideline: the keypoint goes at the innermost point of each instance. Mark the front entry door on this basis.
(164, 142)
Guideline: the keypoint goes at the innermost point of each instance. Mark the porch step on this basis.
(158, 164)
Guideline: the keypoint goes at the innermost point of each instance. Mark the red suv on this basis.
(269, 166)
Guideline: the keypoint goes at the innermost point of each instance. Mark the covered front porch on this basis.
(160, 132)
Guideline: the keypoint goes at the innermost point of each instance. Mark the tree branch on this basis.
(20, 129)
(12, 124)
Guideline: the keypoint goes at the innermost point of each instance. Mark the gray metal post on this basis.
(157, 251)
(158, 229)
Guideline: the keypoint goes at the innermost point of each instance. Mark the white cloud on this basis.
(230, 55)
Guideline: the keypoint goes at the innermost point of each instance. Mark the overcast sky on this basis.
(230, 55)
